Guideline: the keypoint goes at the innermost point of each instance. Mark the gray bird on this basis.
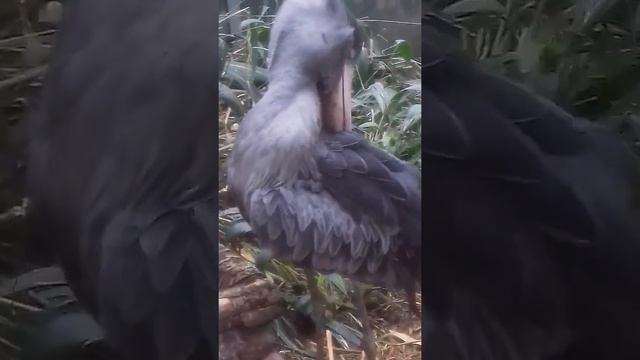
(531, 224)
(314, 191)
(122, 171)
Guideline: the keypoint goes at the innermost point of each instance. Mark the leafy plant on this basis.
(582, 54)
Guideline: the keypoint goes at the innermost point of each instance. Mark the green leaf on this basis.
(341, 331)
(337, 281)
(227, 97)
(222, 56)
(412, 117)
(262, 260)
(281, 327)
(368, 125)
(403, 49)
(381, 94)
(249, 23)
(258, 75)
(464, 7)
(247, 77)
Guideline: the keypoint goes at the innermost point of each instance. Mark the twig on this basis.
(329, 344)
(21, 306)
(229, 16)
(226, 119)
(9, 344)
(391, 21)
(19, 40)
(23, 77)
(364, 19)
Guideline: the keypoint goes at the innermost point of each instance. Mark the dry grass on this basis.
(398, 332)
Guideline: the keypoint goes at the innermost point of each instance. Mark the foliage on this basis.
(386, 108)
(582, 54)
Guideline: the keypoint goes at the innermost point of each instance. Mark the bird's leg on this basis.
(317, 313)
(368, 341)
(411, 299)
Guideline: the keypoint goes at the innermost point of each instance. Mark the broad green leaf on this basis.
(246, 77)
(244, 71)
(337, 281)
(249, 23)
(227, 97)
(403, 49)
(282, 325)
(367, 125)
(343, 331)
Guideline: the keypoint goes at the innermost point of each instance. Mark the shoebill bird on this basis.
(122, 171)
(312, 190)
(531, 233)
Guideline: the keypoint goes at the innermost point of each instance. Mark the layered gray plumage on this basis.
(122, 171)
(326, 200)
(531, 234)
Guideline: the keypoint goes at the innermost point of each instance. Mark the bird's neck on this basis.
(276, 137)
(289, 110)
(287, 82)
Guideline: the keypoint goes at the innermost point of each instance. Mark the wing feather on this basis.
(167, 282)
(348, 220)
(515, 185)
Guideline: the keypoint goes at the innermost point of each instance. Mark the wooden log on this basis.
(247, 306)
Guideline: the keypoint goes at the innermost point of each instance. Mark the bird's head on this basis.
(315, 42)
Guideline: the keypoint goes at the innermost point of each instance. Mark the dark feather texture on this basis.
(356, 214)
(313, 191)
(122, 171)
(531, 234)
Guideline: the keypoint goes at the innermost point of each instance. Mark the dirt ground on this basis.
(398, 335)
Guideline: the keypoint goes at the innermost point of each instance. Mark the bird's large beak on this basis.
(336, 103)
